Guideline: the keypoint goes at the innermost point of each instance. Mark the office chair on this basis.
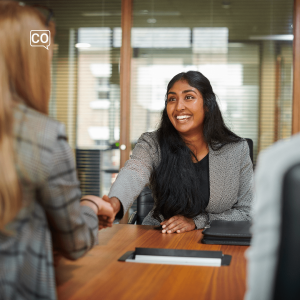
(144, 203)
(250, 144)
(145, 200)
(286, 282)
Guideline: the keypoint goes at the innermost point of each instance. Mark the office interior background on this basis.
(245, 48)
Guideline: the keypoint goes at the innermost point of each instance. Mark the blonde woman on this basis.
(39, 190)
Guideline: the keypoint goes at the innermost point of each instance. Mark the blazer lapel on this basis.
(217, 177)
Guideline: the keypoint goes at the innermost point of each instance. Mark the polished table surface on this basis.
(99, 274)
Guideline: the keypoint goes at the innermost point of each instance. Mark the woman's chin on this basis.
(183, 130)
(188, 130)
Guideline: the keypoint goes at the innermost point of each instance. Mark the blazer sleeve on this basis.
(74, 227)
(201, 220)
(240, 211)
(135, 174)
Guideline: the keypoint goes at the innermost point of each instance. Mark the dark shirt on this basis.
(202, 168)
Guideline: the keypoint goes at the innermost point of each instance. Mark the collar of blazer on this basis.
(218, 152)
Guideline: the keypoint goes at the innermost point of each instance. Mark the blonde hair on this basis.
(24, 74)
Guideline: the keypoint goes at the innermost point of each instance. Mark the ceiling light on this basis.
(151, 21)
(274, 37)
(83, 45)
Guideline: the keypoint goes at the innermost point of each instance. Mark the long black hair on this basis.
(174, 183)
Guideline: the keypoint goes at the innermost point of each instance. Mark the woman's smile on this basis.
(183, 118)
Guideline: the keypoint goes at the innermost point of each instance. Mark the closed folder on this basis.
(227, 233)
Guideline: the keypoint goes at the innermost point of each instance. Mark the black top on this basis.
(202, 168)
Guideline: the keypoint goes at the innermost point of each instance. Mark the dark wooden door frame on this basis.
(296, 81)
(125, 75)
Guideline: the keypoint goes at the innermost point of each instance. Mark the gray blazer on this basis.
(262, 256)
(51, 213)
(230, 174)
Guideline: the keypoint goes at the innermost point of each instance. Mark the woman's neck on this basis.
(197, 145)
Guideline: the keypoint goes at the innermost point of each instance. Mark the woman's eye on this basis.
(171, 99)
(189, 97)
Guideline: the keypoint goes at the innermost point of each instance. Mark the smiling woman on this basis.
(197, 168)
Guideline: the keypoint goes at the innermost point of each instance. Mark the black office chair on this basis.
(145, 200)
(250, 144)
(287, 278)
(144, 203)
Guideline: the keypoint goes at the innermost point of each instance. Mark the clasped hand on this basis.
(178, 224)
(108, 208)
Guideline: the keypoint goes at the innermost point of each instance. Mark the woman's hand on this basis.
(178, 224)
(106, 214)
(115, 203)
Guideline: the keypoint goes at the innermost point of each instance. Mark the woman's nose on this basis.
(180, 104)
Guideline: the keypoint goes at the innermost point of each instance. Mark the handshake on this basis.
(105, 208)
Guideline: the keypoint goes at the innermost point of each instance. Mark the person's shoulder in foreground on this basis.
(35, 126)
(41, 142)
(47, 174)
(272, 165)
(46, 162)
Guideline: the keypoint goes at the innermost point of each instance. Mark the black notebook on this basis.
(227, 233)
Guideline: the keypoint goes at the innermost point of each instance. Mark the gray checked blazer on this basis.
(230, 175)
(51, 194)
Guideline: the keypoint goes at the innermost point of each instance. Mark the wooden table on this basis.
(99, 275)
